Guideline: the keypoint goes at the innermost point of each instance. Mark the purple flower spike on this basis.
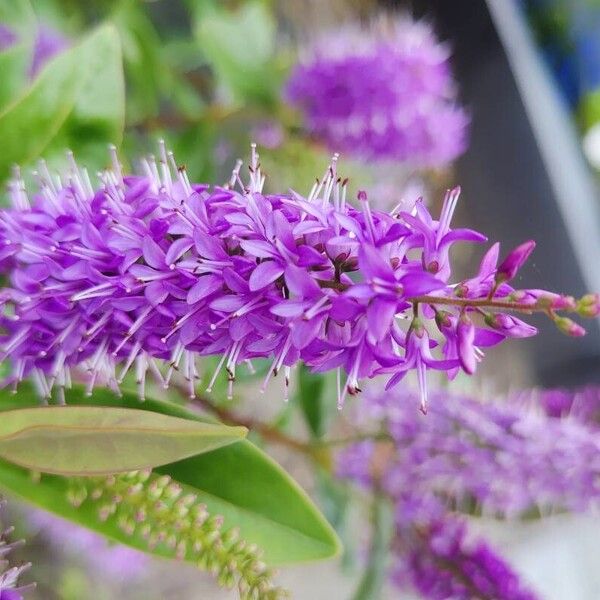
(442, 562)
(514, 261)
(502, 459)
(385, 93)
(150, 272)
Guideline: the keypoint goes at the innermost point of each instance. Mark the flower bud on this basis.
(589, 306)
(514, 261)
(569, 327)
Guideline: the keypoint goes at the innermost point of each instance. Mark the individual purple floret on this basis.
(147, 269)
(385, 93)
(501, 458)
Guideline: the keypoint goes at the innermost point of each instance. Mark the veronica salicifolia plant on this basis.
(9, 576)
(156, 509)
(150, 268)
(386, 92)
(469, 456)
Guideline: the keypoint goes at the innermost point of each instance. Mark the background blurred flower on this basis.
(381, 93)
(506, 458)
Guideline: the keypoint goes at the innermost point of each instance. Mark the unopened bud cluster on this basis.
(169, 520)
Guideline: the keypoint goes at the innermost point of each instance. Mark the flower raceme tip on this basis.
(149, 272)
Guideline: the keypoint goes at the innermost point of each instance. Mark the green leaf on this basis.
(97, 117)
(240, 45)
(91, 440)
(239, 482)
(146, 74)
(77, 101)
(19, 16)
(13, 66)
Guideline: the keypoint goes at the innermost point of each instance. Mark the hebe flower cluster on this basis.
(152, 268)
(382, 93)
(500, 459)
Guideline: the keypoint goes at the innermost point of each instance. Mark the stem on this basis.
(371, 583)
(461, 302)
(269, 433)
(478, 302)
(380, 436)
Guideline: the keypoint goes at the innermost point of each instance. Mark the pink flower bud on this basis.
(589, 305)
(569, 327)
(514, 261)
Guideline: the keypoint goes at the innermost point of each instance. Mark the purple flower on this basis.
(514, 261)
(383, 93)
(440, 562)
(501, 459)
(150, 269)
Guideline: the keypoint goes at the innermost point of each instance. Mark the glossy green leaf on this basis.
(14, 63)
(91, 440)
(240, 45)
(18, 15)
(77, 101)
(238, 481)
(97, 117)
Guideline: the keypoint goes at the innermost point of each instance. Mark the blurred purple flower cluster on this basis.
(443, 562)
(501, 459)
(152, 267)
(382, 93)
